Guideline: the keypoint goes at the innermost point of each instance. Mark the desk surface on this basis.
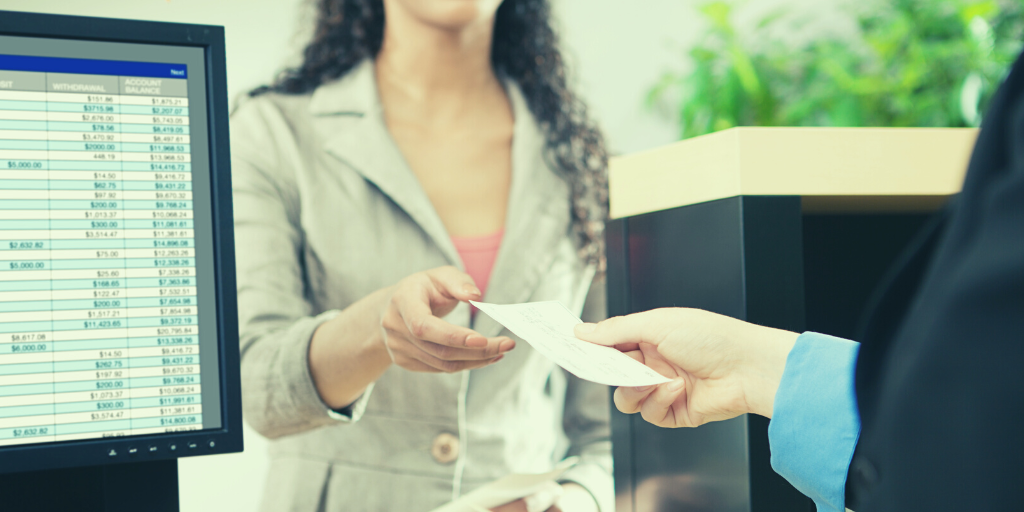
(832, 168)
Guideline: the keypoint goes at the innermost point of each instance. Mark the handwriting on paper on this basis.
(548, 328)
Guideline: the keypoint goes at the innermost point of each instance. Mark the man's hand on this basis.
(721, 367)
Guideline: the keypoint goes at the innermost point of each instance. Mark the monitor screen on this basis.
(108, 278)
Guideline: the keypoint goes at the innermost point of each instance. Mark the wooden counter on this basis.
(833, 168)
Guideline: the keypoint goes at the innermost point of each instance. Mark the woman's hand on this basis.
(416, 337)
(514, 506)
(567, 497)
(399, 325)
(721, 367)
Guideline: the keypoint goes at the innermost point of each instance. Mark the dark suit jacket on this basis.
(940, 379)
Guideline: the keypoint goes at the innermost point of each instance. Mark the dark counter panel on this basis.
(758, 258)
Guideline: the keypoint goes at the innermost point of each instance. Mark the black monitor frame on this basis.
(228, 438)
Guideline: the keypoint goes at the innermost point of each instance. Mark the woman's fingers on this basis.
(494, 348)
(412, 364)
(544, 498)
(421, 315)
(513, 506)
(454, 283)
(419, 321)
(418, 339)
(415, 353)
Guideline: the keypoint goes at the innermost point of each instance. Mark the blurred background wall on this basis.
(619, 51)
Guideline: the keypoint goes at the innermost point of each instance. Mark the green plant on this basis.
(914, 63)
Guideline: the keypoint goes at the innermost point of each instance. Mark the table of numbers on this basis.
(98, 322)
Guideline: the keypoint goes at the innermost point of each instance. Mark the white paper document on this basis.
(506, 489)
(548, 328)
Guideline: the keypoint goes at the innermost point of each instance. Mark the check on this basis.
(548, 328)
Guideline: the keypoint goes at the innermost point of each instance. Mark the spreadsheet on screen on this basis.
(103, 250)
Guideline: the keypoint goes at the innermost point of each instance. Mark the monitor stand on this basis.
(131, 487)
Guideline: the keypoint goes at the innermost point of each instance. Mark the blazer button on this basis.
(445, 448)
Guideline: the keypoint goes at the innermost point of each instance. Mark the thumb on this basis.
(454, 283)
(624, 332)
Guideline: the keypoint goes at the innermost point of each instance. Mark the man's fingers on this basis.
(638, 355)
(658, 407)
(623, 332)
(629, 399)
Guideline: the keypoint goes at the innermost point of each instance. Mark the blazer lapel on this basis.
(349, 110)
(536, 222)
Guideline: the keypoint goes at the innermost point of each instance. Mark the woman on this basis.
(417, 140)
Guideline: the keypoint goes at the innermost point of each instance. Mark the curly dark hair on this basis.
(525, 50)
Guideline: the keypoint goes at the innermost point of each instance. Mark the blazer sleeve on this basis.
(587, 420)
(276, 319)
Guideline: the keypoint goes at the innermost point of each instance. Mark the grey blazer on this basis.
(326, 212)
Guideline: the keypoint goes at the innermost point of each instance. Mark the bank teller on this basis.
(424, 153)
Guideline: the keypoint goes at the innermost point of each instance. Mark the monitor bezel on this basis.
(228, 438)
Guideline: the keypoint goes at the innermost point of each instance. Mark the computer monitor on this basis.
(118, 324)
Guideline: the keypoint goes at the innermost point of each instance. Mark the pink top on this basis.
(478, 254)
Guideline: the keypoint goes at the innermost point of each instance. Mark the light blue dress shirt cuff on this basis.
(815, 423)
